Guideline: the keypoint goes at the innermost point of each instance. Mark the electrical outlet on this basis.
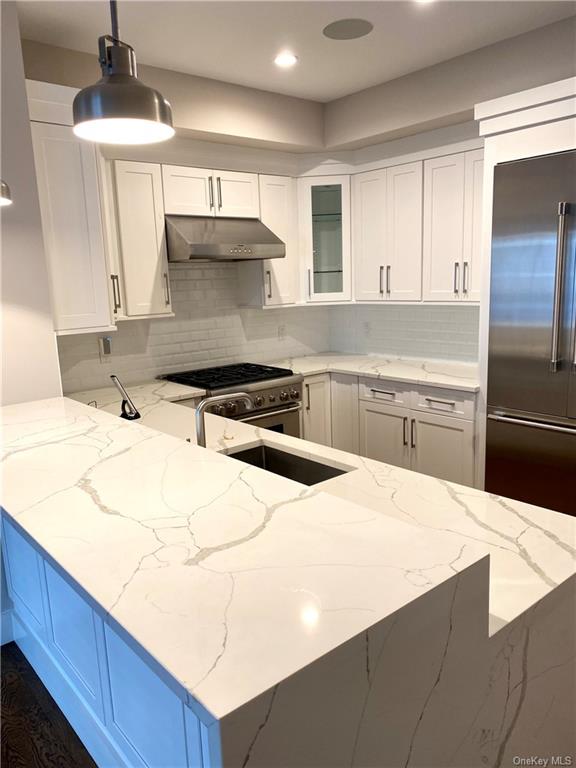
(367, 328)
(105, 348)
(281, 331)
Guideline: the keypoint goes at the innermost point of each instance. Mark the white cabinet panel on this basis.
(443, 447)
(188, 191)
(278, 212)
(471, 267)
(384, 433)
(67, 176)
(316, 414)
(237, 194)
(369, 235)
(142, 240)
(344, 410)
(443, 227)
(403, 280)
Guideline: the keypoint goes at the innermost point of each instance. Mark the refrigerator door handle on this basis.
(529, 423)
(558, 285)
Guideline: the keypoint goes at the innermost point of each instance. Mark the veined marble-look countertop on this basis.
(230, 577)
(439, 373)
(144, 395)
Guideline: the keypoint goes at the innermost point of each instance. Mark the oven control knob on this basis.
(221, 410)
(231, 407)
(284, 396)
(272, 398)
(294, 394)
(258, 401)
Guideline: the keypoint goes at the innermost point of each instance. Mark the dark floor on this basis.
(35, 733)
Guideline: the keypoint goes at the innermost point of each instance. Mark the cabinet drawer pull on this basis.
(309, 284)
(456, 278)
(211, 192)
(307, 396)
(383, 392)
(413, 433)
(405, 430)
(167, 284)
(219, 190)
(465, 278)
(388, 270)
(381, 286)
(116, 292)
(451, 403)
(269, 279)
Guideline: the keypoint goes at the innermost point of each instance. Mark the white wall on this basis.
(211, 329)
(30, 361)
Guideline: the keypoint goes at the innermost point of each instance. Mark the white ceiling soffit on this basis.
(237, 41)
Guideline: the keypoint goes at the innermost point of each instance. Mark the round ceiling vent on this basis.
(348, 29)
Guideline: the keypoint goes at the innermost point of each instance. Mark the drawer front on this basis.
(448, 402)
(385, 391)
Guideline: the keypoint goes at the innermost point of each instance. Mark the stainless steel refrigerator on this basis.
(531, 427)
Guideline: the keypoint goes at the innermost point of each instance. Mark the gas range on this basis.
(272, 389)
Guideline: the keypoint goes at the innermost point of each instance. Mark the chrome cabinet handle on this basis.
(307, 396)
(269, 278)
(465, 278)
(116, 292)
(309, 284)
(383, 392)
(211, 192)
(535, 424)
(405, 430)
(388, 269)
(413, 433)
(558, 284)
(167, 284)
(381, 281)
(451, 403)
(456, 277)
(219, 190)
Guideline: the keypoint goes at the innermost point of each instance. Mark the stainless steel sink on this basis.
(288, 465)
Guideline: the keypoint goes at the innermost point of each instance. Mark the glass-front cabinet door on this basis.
(325, 220)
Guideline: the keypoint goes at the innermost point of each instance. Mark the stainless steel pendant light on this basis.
(5, 196)
(119, 109)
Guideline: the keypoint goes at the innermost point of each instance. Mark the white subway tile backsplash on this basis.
(209, 328)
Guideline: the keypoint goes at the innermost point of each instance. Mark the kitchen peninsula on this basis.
(380, 618)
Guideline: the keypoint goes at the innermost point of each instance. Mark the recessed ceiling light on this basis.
(347, 29)
(423, 2)
(285, 59)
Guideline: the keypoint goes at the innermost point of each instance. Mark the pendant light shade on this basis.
(119, 109)
(5, 196)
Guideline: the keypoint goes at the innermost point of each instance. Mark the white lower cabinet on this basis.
(384, 433)
(344, 412)
(443, 447)
(415, 437)
(316, 410)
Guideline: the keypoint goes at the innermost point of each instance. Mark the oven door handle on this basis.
(270, 413)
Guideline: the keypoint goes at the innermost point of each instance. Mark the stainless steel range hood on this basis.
(220, 239)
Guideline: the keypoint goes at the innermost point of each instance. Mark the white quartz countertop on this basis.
(143, 395)
(233, 578)
(230, 577)
(440, 373)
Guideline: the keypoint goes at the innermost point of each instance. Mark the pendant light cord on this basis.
(114, 18)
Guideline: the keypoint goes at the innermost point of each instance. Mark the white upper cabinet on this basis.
(471, 267)
(188, 191)
(140, 220)
(452, 219)
(369, 235)
(66, 171)
(324, 221)
(403, 278)
(237, 194)
(443, 227)
(278, 213)
(202, 192)
(387, 227)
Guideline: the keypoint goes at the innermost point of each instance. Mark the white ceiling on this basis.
(237, 41)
